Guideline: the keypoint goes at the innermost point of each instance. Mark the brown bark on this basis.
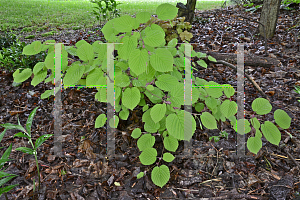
(187, 10)
(268, 17)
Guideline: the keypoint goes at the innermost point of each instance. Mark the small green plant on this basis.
(27, 135)
(3, 174)
(11, 57)
(297, 90)
(156, 73)
(110, 6)
(217, 138)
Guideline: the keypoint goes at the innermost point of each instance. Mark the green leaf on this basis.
(136, 133)
(73, 75)
(124, 23)
(173, 42)
(212, 59)
(95, 77)
(129, 45)
(208, 120)
(181, 126)
(148, 156)
(13, 126)
(38, 67)
(171, 143)
(33, 48)
(47, 94)
(23, 76)
(214, 89)
(124, 114)
(29, 120)
(261, 106)
(160, 175)
(168, 157)
(131, 97)
(49, 61)
(138, 61)
(25, 150)
(202, 63)
(243, 126)
(255, 123)
(271, 132)
(254, 144)
(157, 112)
(166, 82)
(2, 135)
(154, 38)
(143, 17)
(228, 90)
(100, 121)
(114, 123)
(140, 175)
(228, 108)
(41, 140)
(166, 11)
(85, 52)
(39, 77)
(4, 180)
(20, 134)
(6, 154)
(145, 141)
(7, 188)
(162, 60)
(199, 107)
(282, 119)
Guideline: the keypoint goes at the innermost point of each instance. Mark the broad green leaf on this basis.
(109, 31)
(212, 59)
(160, 175)
(140, 175)
(261, 106)
(254, 144)
(136, 133)
(41, 140)
(47, 94)
(38, 67)
(154, 38)
(242, 127)
(162, 60)
(211, 102)
(39, 77)
(171, 143)
(13, 126)
(25, 150)
(157, 112)
(23, 76)
(100, 121)
(145, 141)
(148, 156)
(228, 108)
(122, 80)
(124, 23)
(85, 52)
(95, 77)
(228, 90)
(49, 61)
(33, 48)
(166, 82)
(202, 63)
(29, 120)
(168, 157)
(124, 114)
(143, 17)
(214, 89)
(50, 78)
(138, 61)
(177, 94)
(73, 75)
(166, 11)
(173, 42)
(129, 45)
(113, 123)
(131, 97)
(282, 119)
(208, 120)
(255, 123)
(271, 132)
(199, 107)
(181, 125)
(80, 43)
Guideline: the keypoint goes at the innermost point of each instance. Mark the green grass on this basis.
(40, 15)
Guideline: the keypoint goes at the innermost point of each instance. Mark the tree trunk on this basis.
(187, 10)
(268, 18)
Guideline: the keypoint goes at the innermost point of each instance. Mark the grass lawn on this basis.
(39, 15)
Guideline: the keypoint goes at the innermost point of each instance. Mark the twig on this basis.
(247, 76)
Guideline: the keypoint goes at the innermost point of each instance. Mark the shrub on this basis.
(155, 72)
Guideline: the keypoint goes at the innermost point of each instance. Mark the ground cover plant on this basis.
(150, 63)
